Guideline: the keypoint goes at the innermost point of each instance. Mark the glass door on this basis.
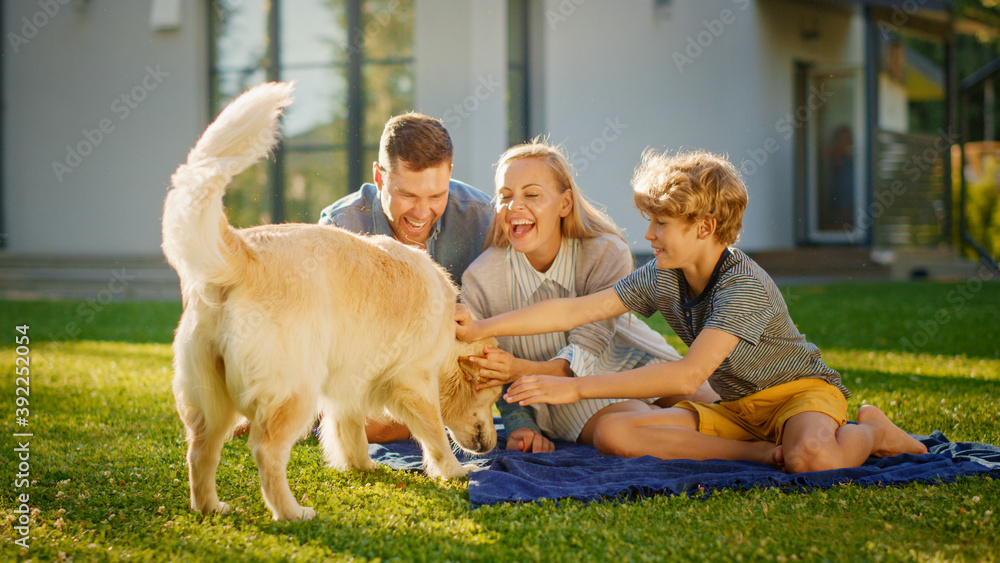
(835, 179)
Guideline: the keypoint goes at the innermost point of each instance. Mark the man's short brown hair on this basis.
(418, 140)
(692, 185)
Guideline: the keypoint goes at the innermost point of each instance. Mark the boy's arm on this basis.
(603, 262)
(552, 315)
(682, 377)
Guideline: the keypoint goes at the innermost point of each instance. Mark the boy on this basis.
(781, 405)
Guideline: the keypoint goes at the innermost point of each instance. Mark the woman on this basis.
(548, 241)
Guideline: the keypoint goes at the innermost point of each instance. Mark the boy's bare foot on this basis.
(768, 454)
(779, 457)
(894, 440)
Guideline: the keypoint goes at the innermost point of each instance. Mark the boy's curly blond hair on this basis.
(692, 185)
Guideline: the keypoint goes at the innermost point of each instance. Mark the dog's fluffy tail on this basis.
(197, 238)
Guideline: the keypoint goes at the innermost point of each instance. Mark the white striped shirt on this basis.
(528, 286)
(742, 300)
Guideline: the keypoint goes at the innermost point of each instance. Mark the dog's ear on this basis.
(469, 369)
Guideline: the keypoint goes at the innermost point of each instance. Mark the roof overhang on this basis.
(905, 5)
(931, 17)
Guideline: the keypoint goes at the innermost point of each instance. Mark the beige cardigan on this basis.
(600, 262)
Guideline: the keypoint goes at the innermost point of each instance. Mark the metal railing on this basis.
(966, 88)
(908, 190)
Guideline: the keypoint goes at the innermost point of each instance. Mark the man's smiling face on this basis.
(413, 201)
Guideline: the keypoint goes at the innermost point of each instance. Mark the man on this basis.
(415, 200)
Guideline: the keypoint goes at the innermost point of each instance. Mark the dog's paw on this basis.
(308, 513)
(452, 471)
(218, 508)
(299, 514)
(341, 464)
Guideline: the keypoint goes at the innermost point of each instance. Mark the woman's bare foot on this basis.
(893, 440)
(242, 428)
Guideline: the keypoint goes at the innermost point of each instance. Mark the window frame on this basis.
(353, 67)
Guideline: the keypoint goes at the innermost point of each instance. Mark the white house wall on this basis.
(836, 41)
(616, 77)
(461, 70)
(127, 101)
(716, 75)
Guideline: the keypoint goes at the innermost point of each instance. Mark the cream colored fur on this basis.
(282, 323)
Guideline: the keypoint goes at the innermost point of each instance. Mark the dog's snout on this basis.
(481, 442)
(480, 445)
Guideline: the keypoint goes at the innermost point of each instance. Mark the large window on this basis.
(525, 72)
(518, 72)
(352, 61)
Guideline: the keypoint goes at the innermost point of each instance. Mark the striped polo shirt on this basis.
(742, 300)
(529, 286)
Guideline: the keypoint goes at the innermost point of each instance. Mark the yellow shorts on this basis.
(762, 415)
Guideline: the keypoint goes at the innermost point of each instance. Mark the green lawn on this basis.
(107, 478)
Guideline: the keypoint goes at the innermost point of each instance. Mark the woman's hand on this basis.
(547, 389)
(495, 368)
(527, 440)
(466, 328)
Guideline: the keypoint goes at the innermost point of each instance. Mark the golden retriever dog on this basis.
(282, 323)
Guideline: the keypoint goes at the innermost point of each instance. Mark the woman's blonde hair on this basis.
(692, 185)
(585, 220)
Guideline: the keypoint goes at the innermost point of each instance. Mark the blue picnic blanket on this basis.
(579, 472)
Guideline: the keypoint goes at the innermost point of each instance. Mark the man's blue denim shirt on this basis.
(455, 241)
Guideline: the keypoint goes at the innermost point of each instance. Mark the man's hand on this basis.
(547, 389)
(527, 440)
(466, 328)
